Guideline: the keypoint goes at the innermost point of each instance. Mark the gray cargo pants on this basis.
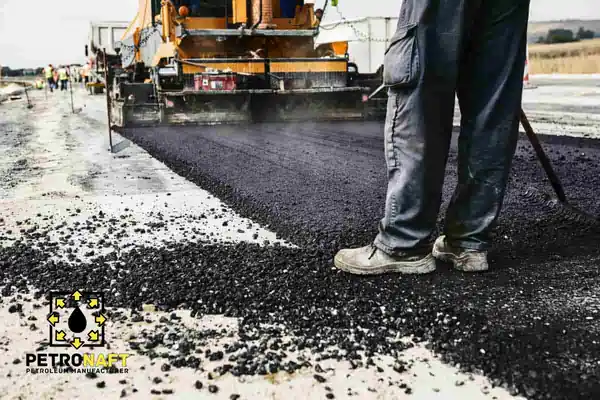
(476, 49)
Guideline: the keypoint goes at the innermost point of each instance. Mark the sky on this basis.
(37, 32)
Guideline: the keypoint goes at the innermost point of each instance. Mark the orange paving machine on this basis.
(229, 61)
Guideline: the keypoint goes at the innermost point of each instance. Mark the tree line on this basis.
(6, 71)
(566, 36)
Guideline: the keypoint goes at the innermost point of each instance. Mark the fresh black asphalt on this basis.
(532, 321)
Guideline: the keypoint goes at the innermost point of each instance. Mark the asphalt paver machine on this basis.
(229, 61)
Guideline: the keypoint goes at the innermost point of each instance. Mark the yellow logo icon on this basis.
(77, 319)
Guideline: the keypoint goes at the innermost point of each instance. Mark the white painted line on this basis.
(564, 76)
(69, 176)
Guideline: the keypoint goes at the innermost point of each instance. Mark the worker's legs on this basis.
(51, 84)
(418, 128)
(489, 91)
(421, 69)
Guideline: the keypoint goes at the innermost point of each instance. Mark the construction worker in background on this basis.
(56, 80)
(63, 75)
(86, 73)
(474, 49)
(49, 74)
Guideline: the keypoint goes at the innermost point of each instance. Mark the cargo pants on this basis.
(476, 50)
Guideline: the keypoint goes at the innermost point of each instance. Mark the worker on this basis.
(63, 75)
(49, 74)
(476, 50)
(86, 73)
(56, 80)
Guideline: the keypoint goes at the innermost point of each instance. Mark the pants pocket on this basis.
(401, 67)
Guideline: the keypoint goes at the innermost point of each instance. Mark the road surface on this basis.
(234, 250)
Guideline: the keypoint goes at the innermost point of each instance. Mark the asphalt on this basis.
(531, 324)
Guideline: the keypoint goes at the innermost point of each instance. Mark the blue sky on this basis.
(36, 32)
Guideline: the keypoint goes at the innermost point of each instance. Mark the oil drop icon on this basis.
(77, 321)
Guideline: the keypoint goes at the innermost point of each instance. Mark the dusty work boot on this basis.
(466, 260)
(370, 260)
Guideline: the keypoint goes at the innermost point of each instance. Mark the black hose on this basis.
(325, 6)
(153, 11)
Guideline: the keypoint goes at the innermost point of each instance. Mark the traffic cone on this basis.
(526, 83)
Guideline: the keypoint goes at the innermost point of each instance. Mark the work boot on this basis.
(370, 260)
(466, 260)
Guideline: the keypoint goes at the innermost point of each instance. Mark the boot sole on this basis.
(455, 261)
(424, 266)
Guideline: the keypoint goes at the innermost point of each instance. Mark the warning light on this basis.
(365, 98)
(184, 11)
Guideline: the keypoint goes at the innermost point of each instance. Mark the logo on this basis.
(77, 324)
(76, 319)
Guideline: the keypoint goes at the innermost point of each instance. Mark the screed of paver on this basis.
(415, 373)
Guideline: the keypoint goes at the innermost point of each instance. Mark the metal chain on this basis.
(362, 36)
(143, 41)
(128, 51)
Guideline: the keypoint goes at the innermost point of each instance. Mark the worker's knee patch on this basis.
(401, 67)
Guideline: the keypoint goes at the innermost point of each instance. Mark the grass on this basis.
(565, 58)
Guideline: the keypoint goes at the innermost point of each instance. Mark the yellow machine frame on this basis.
(277, 69)
(276, 46)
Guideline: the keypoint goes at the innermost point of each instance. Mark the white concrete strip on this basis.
(566, 109)
(68, 175)
(557, 129)
(573, 118)
(543, 124)
(425, 378)
(564, 76)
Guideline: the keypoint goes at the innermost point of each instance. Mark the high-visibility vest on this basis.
(48, 72)
(62, 74)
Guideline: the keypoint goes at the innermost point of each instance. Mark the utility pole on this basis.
(71, 90)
